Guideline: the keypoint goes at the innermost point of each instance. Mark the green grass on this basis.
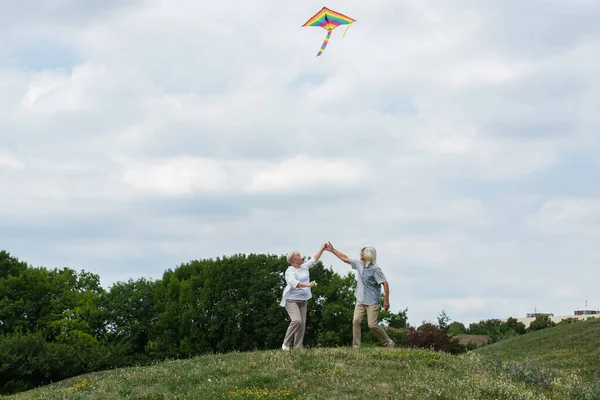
(342, 373)
(570, 348)
(555, 363)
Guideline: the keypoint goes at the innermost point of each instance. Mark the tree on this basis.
(456, 328)
(397, 320)
(541, 322)
(494, 328)
(515, 325)
(129, 313)
(10, 265)
(443, 320)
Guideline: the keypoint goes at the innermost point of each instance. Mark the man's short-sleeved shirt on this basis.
(368, 288)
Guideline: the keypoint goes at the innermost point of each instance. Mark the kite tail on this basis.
(324, 43)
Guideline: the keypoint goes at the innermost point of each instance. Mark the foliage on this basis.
(130, 312)
(570, 320)
(443, 320)
(496, 329)
(516, 326)
(56, 303)
(10, 266)
(541, 322)
(28, 360)
(456, 328)
(430, 336)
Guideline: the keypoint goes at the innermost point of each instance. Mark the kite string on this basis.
(346, 30)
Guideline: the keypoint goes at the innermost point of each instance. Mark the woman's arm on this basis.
(290, 278)
(319, 252)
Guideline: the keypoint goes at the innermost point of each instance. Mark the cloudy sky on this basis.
(461, 139)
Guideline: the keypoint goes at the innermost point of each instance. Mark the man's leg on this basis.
(372, 316)
(359, 315)
(294, 312)
(299, 336)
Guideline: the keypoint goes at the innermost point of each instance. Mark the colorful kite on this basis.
(329, 20)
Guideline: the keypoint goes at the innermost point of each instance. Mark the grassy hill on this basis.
(340, 373)
(570, 348)
(557, 363)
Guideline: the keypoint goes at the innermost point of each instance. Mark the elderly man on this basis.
(367, 293)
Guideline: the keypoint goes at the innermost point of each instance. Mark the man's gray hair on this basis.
(291, 254)
(370, 255)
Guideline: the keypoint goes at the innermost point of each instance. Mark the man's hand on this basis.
(386, 304)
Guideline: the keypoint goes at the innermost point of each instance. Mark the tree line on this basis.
(59, 323)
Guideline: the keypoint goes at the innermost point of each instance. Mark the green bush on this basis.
(569, 320)
(28, 360)
(541, 322)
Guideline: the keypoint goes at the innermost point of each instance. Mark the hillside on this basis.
(340, 373)
(570, 348)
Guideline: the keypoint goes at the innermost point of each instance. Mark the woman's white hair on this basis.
(370, 255)
(291, 254)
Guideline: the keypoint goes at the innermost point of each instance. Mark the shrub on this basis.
(428, 336)
(456, 328)
(28, 360)
(541, 322)
(569, 320)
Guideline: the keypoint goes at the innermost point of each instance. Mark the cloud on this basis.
(302, 173)
(176, 177)
(460, 141)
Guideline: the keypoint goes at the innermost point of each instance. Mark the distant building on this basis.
(577, 314)
(537, 314)
(586, 312)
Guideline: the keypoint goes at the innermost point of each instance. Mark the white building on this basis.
(578, 314)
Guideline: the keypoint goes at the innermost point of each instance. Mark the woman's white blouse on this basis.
(292, 276)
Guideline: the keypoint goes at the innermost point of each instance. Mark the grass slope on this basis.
(337, 373)
(570, 348)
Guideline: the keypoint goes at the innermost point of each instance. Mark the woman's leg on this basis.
(299, 337)
(296, 320)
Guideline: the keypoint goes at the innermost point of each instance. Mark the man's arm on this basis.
(382, 280)
(338, 254)
(386, 296)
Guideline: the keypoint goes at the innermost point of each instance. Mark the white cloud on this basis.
(567, 217)
(181, 176)
(302, 173)
(10, 161)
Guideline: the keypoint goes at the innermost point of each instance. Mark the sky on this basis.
(460, 139)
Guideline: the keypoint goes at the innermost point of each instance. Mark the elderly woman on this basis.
(296, 295)
(367, 293)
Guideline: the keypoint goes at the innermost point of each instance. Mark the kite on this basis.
(329, 20)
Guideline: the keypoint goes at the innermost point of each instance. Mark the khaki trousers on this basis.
(359, 315)
(296, 309)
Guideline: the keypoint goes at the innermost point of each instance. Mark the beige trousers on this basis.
(296, 309)
(359, 315)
